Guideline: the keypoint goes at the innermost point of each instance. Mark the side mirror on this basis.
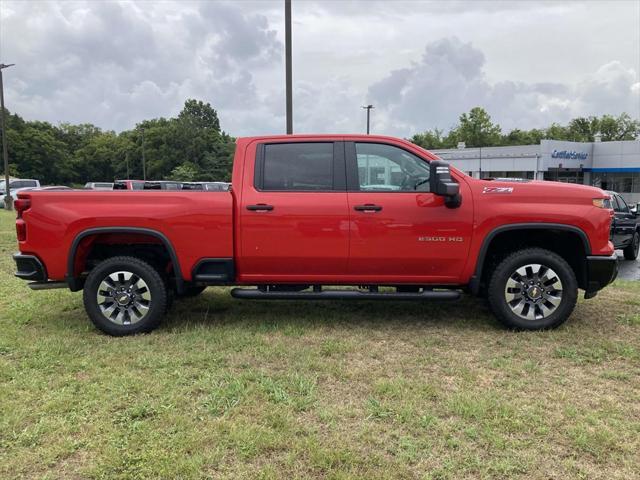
(442, 184)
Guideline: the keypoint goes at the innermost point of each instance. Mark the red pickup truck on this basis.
(308, 212)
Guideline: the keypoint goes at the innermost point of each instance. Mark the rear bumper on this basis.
(601, 271)
(29, 267)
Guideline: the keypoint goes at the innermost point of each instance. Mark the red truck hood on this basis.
(543, 187)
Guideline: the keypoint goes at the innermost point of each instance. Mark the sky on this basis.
(421, 64)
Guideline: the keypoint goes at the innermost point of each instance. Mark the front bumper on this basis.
(601, 271)
(29, 267)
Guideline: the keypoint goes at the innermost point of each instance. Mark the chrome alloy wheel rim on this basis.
(533, 291)
(124, 298)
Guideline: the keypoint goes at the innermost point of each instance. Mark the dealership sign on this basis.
(569, 155)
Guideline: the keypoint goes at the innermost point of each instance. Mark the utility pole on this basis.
(144, 163)
(126, 159)
(8, 200)
(287, 54)
(368, 109)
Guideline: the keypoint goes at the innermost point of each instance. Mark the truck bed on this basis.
(198, 224)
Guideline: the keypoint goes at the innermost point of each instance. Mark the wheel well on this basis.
(566, 243)
(93, 248)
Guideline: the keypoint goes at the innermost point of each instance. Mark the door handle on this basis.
(260, 207)
(367, 207)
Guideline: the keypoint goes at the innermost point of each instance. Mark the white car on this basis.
(98, 186)
(16, 185)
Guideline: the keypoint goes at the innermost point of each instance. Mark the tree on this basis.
(429, 139)
(477, 130)
(187, 172)
(620, 128)
(197, 114)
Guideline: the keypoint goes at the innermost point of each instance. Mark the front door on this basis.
(294, 218)
(400, 231)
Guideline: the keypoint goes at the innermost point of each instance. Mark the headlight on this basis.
(602, 203)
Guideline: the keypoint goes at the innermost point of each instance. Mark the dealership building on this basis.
(609, 165)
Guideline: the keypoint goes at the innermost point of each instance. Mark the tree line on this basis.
(476, 129)
(188, 147)
(192, 145)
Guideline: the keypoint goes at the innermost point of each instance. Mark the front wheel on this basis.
(533, 289)
(631, 252)
(124, 296)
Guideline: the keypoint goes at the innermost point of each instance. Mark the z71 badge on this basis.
(497, 190)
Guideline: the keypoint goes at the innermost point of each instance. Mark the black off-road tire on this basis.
(154, 287)
(631, 252)
(497, 295)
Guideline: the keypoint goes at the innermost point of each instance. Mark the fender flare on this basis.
(474, 283)
(74, 282)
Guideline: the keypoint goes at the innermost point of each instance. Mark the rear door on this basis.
(400, 231)
(294, 218)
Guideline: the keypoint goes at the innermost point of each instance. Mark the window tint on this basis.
(137, 185)
(298, 166)
(386, 168)
(614, 203)
(623, 205)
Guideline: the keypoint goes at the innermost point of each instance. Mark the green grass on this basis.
(232, 389)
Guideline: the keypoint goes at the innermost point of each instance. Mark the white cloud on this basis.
(450, 79)
(420, 63)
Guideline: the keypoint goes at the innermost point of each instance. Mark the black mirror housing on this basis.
(442, 184)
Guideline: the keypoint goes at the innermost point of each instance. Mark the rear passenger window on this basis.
(298, 167)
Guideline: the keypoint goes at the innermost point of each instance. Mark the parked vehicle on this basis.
(297, 219)
(128, 185)
(216, 186)
(98, 186)
(625, 228)
(162, 185)
(17, 185)
(55, 187)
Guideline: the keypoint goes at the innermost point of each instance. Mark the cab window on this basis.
(297, 166)
(385, 168)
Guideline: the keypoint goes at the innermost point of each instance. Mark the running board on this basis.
(47, 285)
(256, 294)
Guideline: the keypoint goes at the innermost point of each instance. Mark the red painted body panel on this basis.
(316, 237)
(197, 223)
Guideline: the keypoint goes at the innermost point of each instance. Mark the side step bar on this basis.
(47, 285)
(257, 294)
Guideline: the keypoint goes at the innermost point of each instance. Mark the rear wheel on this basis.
(631, 252)
(124, 296)
(533, 289)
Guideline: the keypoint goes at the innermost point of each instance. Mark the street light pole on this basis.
(287, 54)
(8, 200)
(368, 109)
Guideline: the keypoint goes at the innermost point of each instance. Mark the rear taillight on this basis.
(21, 205)
(21, 230)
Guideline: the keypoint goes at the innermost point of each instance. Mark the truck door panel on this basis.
(411, 234)
(294, 217)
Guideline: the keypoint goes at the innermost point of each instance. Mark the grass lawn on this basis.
(233, 389)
